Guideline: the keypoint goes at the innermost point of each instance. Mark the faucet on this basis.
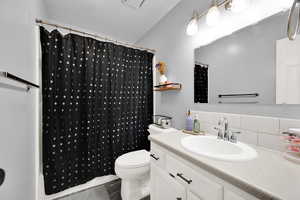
(224, 133)
(226, 130)
(218, 128)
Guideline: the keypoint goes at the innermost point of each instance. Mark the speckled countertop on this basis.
(267, 177)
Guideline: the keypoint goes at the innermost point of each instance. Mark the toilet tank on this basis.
(153, 129)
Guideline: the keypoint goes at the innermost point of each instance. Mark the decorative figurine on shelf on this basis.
(162, 68)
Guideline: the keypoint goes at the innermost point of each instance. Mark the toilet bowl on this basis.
(134, 170)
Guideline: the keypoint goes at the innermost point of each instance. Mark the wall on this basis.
(177, 49)
(245, 62)
(18, 109)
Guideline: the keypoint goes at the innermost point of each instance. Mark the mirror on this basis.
(255, 65)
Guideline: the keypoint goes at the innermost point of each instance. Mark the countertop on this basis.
(267, 177)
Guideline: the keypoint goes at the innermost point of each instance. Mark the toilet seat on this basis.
(135, 159)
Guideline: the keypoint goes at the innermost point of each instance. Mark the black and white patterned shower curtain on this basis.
(97, 104)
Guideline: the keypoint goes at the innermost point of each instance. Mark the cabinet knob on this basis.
(154, 157)
(2, 176)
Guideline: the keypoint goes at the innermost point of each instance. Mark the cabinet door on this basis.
(165, 187)
(228, 195)
(194, 181)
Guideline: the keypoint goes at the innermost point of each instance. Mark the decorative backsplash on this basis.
(257, 130)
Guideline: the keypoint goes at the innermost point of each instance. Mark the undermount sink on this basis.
(212, 147)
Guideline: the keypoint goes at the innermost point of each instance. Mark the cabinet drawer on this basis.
(164, 187)
(157, 156)
(194, 181)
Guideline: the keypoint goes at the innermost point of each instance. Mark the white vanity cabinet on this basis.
(164, 186)
(173, 178)
(194, 181)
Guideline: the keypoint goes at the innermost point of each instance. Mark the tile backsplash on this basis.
(256, 130)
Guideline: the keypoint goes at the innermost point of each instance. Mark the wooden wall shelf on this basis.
(168, 87)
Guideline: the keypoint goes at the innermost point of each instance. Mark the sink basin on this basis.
(212, 147)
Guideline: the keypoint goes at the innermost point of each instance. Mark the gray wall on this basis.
(245, 62)
(177, 49)
(18, 118)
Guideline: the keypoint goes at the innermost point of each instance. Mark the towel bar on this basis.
(18, 79)
(238, 95)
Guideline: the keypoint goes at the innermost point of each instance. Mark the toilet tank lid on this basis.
(134, 159)
(155, 128)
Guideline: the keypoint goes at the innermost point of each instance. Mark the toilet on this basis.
(134, 170)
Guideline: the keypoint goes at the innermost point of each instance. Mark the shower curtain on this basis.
(97, 105)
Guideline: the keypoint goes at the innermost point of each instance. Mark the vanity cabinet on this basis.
(164, 186)
(194, 181)
(173, 178)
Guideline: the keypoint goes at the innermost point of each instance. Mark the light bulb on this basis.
(213, 16)
(239, 5)
(192, 28)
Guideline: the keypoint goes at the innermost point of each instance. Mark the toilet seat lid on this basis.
(134, 159)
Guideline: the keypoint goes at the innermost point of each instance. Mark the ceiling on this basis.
(109, 17)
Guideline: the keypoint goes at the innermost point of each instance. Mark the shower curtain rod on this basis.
(38, 21)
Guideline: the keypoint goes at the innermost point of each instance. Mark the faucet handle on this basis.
(233, 137)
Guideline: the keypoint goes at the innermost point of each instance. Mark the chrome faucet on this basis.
(226, 130)
(224, 133)
(219, 129)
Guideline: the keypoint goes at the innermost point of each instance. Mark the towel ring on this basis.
(292, 35)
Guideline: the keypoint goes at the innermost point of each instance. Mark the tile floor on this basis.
(109, 191)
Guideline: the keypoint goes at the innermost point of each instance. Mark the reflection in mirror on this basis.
(201, 83)
(2, 176)
(256, 65)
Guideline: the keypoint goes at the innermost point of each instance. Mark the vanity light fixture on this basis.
(294, 12)
(213, 14)
(237, 6)
(192, 27)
